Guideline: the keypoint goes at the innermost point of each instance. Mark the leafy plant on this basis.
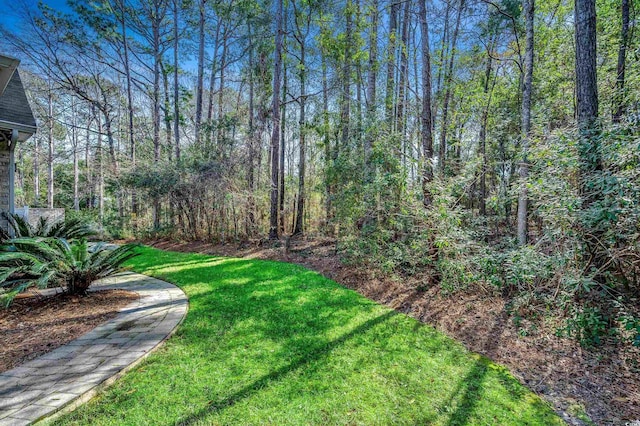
(588, 325)
(73, 228)
(45, 262)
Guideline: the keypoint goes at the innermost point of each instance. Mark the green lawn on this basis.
(274, 343)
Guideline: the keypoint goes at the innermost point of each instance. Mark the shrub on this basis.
(44, 262)
(71, 228)
(588, 325)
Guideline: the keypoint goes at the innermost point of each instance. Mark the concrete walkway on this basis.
(72, 374)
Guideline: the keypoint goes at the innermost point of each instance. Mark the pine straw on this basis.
(34, 324)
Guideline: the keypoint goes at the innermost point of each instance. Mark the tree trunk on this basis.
(220, 134)
(127, 71)
(110, 139)
(283, 128)
(176, 84)
(275, 133)
(283, 123)
(167, 114)
(199, 85)
(156, 107)
(371, 91)
(443, 47)
(88, 165)
(212, 82)
(50, 144)
(299, 219)
(36, 171)
(586, 80)
(529, 13)
(482, 139)
(426, 116)
(442, 150)
(328, 156)
(99, 155)
(74, 142)
(587, 114)
(404, 70)
(358, 69)
(345, 103)
(391, 64)
(620, 103)
(415, 147)
(251, 204)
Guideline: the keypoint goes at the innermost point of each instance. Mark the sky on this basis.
(10, 15)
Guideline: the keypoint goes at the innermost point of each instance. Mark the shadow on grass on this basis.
(469, 390)
(238, 305)
(257, 385)
(283, 303)
(255, 297)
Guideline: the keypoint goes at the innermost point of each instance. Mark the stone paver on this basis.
(73, 373)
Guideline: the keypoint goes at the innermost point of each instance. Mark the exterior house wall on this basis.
(6, 182)
(17, 124)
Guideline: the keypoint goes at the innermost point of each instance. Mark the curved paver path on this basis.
(74, 373)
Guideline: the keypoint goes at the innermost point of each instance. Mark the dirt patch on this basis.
(35, 324)
(604, 382)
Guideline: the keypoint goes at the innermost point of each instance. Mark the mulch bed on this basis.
(36, 324)
(605, 382)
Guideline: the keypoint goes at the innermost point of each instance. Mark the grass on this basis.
(274, 343)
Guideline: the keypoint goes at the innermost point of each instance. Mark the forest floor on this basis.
(603, 382)
(35, 324)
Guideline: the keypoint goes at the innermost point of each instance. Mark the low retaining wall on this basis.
(33, 215)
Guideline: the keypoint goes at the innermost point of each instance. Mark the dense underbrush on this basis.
(555, 275)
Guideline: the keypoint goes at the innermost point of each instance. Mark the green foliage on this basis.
(71, 228)
(156, 181)
(388, 245)
(607, 213)
(452, 240)
(43, 262)
(550, 274)
(586, 324)
(629, 320)
(632, 326)
(515, 270)
(384, 222)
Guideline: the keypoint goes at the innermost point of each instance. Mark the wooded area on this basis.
(484, 144)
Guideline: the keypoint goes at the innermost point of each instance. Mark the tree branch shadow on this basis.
(260, 383)
(471, 387)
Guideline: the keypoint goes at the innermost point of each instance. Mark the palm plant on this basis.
(69, 228)
(46, 262)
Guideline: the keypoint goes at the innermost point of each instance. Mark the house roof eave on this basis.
(22, 128)
(8, 66)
